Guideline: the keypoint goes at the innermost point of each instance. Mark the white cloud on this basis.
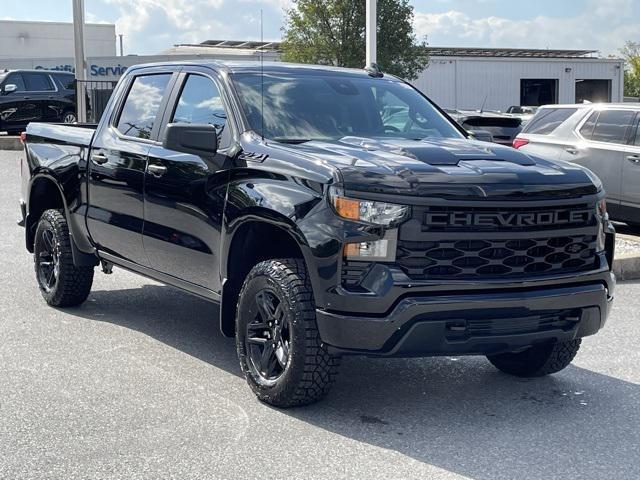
(151, 26)
(603, 25)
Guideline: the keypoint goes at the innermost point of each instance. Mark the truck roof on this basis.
(248, 66)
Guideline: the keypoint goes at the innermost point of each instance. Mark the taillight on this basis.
(519, 143)
(23, 137)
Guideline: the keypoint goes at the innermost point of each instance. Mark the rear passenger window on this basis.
(612, 126)
(548, 119)
(587, 129)
(200, 102)
(67, 81)
(37, 82)
(141, 106)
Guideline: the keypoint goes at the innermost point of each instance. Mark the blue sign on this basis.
(95, 70)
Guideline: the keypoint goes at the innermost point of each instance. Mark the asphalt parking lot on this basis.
(138, 383)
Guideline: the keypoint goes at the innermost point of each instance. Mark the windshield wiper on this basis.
(292, 141)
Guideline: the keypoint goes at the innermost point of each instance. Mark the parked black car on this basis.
(35, 96)
(502, 128)
(328, 212)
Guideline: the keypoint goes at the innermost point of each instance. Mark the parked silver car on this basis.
(602, 137)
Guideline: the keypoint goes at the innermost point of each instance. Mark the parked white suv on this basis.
(602, 137)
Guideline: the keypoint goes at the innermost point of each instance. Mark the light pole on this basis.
(371, 31)
(80, 60)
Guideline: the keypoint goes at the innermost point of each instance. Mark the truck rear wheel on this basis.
(539, 360)
(280, 351)
(61, 283)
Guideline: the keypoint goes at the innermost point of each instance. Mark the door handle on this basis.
(634, 158)
(571, 150)
(99, 158)
(156, 170)
(26, 98)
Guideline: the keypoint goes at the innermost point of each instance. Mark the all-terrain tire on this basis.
(72, 284)
(539, 360)
(311, 369)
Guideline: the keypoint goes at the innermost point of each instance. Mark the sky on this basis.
(151, 26)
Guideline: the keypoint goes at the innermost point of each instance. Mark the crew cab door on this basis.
(118, 162)
(602, 148)
(185, 194)
(630, 198)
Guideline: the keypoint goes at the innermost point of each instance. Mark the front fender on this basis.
(275, 201)
(301, 210)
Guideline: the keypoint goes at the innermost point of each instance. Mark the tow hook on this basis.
(106, 267)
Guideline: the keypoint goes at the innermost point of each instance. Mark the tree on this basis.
(333, 32)
(631, 53)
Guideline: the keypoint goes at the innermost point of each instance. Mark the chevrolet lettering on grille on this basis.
(507, 219)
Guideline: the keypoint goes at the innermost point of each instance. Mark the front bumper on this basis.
(478, 323)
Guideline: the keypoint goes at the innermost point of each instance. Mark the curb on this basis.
(627, 267)
(10, 143)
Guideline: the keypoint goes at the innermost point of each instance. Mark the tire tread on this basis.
(538, 361)
(319, 368)
(74, 283)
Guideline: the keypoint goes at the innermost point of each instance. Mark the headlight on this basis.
(378, 213)
(383, 250)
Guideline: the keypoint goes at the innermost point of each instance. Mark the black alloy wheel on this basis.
(268, 338)
(61, 282)
(48, 260)
(279, 347)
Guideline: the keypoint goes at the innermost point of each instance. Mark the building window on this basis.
(595, 91)
(535, 92)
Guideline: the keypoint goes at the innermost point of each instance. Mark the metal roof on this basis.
(508, 52)
(239, 44)
(434, 51)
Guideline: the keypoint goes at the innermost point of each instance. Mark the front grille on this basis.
(440, 218)
(480, 242)
(478, 259)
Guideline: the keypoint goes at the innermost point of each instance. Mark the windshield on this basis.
(299, 108)
(2, 77)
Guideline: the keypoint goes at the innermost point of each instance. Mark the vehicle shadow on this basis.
(457, 414)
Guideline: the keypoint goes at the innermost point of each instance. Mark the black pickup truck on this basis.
(329, 212)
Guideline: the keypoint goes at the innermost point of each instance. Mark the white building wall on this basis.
(53, 39)
(464, 83)
(113, 67)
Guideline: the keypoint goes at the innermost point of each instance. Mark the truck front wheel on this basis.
(539, 360)
(61, 283)
(280, 351)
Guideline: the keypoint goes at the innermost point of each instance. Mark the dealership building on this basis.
(456, 78)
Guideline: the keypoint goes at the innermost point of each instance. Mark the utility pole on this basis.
(371, 26)
(121, 47)
(80, 60)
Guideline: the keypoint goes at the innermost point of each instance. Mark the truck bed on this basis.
(71, 134)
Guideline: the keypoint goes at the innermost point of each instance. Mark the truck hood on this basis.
(445, 167)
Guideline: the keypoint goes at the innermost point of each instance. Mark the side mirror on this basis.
(197, 139)
(10, 88)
